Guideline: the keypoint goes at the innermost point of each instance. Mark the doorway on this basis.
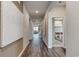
(58, 30)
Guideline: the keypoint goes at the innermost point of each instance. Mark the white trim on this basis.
(58, 45)
(22, 51)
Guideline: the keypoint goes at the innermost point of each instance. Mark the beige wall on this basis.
(26, 26)
(0, 23)
(54, 10)
(12, 50)
(72, 28)
(45, 29)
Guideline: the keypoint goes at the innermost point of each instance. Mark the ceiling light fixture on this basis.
(36, 11)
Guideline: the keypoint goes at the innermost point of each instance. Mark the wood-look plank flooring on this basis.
(37, 48)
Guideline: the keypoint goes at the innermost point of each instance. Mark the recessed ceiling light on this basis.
(36, 11)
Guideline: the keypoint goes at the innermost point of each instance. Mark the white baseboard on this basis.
(22, 51)
(58, 46)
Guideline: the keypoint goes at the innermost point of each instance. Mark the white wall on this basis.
(27, 28)
(11, 23)
(14, 25)
(11, 30)
(72, 29)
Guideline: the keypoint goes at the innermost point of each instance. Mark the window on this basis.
(35, 28)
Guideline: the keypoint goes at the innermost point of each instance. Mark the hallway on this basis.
(37, 48)
(55, 21)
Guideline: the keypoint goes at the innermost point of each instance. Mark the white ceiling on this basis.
(32, 6)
